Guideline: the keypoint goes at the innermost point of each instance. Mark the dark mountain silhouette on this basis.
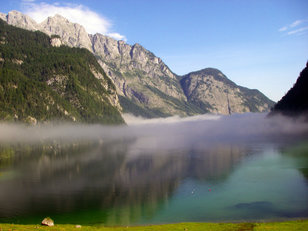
(295, 102)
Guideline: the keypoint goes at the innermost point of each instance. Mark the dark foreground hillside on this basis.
(295, 102)
(39, 82)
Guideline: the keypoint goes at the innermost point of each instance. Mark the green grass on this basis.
(281, 226)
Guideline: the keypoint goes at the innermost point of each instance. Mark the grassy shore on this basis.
(269, 226)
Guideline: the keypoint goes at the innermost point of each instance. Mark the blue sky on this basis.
(260, 44)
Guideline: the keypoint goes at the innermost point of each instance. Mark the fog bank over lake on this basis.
(171, 132)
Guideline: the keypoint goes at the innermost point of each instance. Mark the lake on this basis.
(211, 168)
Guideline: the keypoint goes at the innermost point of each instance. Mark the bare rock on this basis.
(31, 120)
(211, 89)
(48, 222)
(3, 16)
(139, 75)
(71, 34)
(18, 19)
(55, 42)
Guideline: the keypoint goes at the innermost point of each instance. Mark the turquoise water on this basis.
(265, 186)
(120, 183)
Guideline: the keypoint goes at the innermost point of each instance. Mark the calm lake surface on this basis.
(156, 173)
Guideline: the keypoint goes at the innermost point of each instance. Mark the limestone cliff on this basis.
(18, 19)
(72, 34)
(140, 76)
(211, 89)
(3, 17)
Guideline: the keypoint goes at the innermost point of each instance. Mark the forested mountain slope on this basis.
(295, 102)
(39, 82)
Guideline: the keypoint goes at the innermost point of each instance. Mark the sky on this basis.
(259, 44)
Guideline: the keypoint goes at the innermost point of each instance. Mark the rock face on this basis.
(295, 102)
(72, 34)
(48, 222)
(140, 76)
(3, 17)
(211, 89)
(18, 19)
(55, 42)
(144, 83)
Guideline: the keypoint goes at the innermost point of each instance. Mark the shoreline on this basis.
(301, 224)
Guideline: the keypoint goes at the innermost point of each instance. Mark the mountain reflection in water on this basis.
(146, 178)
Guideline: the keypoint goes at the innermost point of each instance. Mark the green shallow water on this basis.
(119, 183)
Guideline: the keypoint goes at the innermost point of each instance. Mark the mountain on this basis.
(144, 83)
(40, 82)
(295, 102)
(211, 89)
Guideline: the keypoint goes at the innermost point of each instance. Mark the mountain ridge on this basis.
(295, 102)
(143, 81)
(42, 83)
(212, 89)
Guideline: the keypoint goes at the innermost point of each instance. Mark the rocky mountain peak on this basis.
(209, 70)
(211, 89)
(3, 16)
(137, 45)
(72, 34)
(137, 72)
(59, 18)
(212, 73)
(54, 19)
(18, 19)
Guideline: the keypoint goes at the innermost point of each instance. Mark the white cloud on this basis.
(283, 29)
(116, 36)
(138, 120)
(92, 21)
(298, 30)
(291, 28)
(296, 23)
